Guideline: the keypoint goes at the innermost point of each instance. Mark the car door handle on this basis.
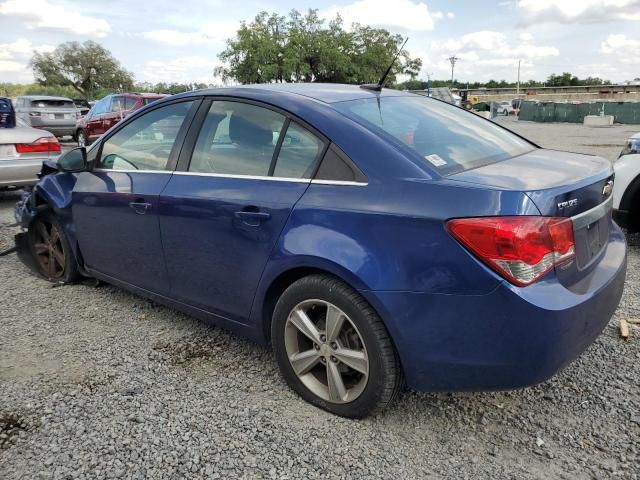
(252, 217)
(258, 215)
(140, 207)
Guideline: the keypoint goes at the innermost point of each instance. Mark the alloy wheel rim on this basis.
(326, 351)
(81, 140)
(48, 249)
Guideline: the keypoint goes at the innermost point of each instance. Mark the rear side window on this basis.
(336, 166)
(445, 137)
(129, 103)
(298, 154)
(52, 104)
(237, 139)
(117, 104)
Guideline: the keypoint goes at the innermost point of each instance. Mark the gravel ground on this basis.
(99, 383)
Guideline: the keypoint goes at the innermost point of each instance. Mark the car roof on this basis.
(44, 97)
(322, 92)
(143, 95)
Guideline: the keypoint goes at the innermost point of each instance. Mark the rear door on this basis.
(223, 210)
(115, 206)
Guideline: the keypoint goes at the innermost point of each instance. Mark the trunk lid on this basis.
(560, 184)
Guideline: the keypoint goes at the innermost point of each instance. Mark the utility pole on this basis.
(453, 59)
(518, 84)
(429, 83)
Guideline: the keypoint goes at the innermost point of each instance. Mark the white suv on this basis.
(626, 190)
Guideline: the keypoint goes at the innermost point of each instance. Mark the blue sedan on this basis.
(375, 239)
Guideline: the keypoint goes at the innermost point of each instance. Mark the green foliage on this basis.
(13, 90)
(170, 88)
(87, 68)
(304, 48)
(566, 79)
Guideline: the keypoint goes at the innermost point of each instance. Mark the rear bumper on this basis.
(57, 127)
(510, 338)
(60, 131)
(19, 172)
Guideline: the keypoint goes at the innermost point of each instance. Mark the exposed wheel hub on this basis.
(326, 351)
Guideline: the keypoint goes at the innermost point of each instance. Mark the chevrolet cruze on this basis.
(374, 238)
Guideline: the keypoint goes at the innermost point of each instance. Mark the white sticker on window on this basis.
(436, 160)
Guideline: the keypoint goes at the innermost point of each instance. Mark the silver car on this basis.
(57, 115)
(22, 151)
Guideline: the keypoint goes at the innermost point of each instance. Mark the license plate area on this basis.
(591, 234)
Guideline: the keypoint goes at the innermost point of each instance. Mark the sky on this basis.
(179, 40)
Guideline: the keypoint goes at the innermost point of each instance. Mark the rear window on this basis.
(148, 100)
(446, 137)
(52, 104)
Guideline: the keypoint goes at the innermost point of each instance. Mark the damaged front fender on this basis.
(54, 190)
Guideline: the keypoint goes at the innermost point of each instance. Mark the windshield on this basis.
(448, 138)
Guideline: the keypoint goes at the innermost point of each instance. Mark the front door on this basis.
(221, 215)
(95, 122)
(115, 206)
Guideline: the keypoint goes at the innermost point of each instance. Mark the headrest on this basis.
(244, 131)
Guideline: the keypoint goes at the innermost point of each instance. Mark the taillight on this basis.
(521, 249)
(41, 145)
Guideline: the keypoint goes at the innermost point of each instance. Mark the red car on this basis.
(109, 111)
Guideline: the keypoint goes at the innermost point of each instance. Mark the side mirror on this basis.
(74, 160)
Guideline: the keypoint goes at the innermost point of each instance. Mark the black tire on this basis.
(64, 271)
(385, 378)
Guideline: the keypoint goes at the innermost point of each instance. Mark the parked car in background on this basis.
(371, 236)
(7, 113)
(22, 151)
(57, 115)
(626, 190)
(107, 112)
(83, 105)
(505, 108)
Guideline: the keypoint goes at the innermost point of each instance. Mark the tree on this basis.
(86, 67)
(304, 48)
(564, 80)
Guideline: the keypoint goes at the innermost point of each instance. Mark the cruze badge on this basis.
(569, 203)
(607, 189)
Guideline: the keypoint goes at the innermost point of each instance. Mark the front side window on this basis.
(100, 107)
(237, 139)
(444, 136)
(146, 142)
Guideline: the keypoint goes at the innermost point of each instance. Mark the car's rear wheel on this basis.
(51, 250)
(333, 349)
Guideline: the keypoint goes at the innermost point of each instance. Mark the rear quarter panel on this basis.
(389, 236)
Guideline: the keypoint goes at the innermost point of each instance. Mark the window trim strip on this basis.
(241, 177)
